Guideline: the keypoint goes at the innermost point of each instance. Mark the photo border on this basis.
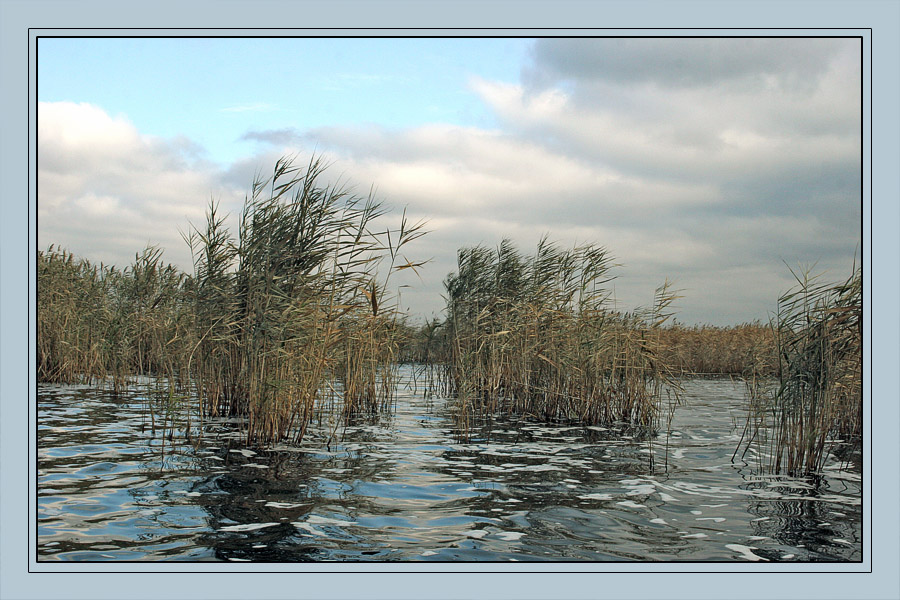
(12, 235)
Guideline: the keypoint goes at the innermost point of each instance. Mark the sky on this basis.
(718, 164)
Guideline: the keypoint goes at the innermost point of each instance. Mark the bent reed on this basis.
(276, 326)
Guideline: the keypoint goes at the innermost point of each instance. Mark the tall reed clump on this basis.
(292, 313)
(290, 318)
(816, 402)
(535, 336)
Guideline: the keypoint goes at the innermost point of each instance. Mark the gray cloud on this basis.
(713, 162)
(287, 135)
(682, 62)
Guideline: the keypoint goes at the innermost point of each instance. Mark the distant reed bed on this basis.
(288, 318)
(816, 404)
(534, 336)
(704, 350)
(96, 323)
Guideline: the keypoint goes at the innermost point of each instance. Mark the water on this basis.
(402, 488)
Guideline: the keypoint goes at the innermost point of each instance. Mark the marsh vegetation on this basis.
(293, 321)
(536, 336)
(815, 405)
(290, 317)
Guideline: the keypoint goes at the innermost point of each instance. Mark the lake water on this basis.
(403, 488)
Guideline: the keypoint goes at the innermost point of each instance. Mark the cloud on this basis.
(478, 187)
(685, 62)
(712, 162)
(105, 191)
(288, 135)
(686, 133)
(708, 162)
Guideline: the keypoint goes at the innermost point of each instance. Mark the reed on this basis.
(535, 336)
(72, 295)
(815, 404)
(287, 320)
(99, 324)
(293, 311)
(707, 350)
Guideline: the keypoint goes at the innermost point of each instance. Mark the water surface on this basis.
(403, 488)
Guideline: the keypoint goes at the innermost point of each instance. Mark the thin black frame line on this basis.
(445, 37)
(453, 562)
(862, 204)
(443, 562)
(870, 258)
(32, 352)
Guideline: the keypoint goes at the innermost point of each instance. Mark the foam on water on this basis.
(745, 551)
(247, 527)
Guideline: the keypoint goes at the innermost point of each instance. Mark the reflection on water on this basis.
(400, 488)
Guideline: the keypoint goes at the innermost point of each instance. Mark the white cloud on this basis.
(696, 132)
(105, 190)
